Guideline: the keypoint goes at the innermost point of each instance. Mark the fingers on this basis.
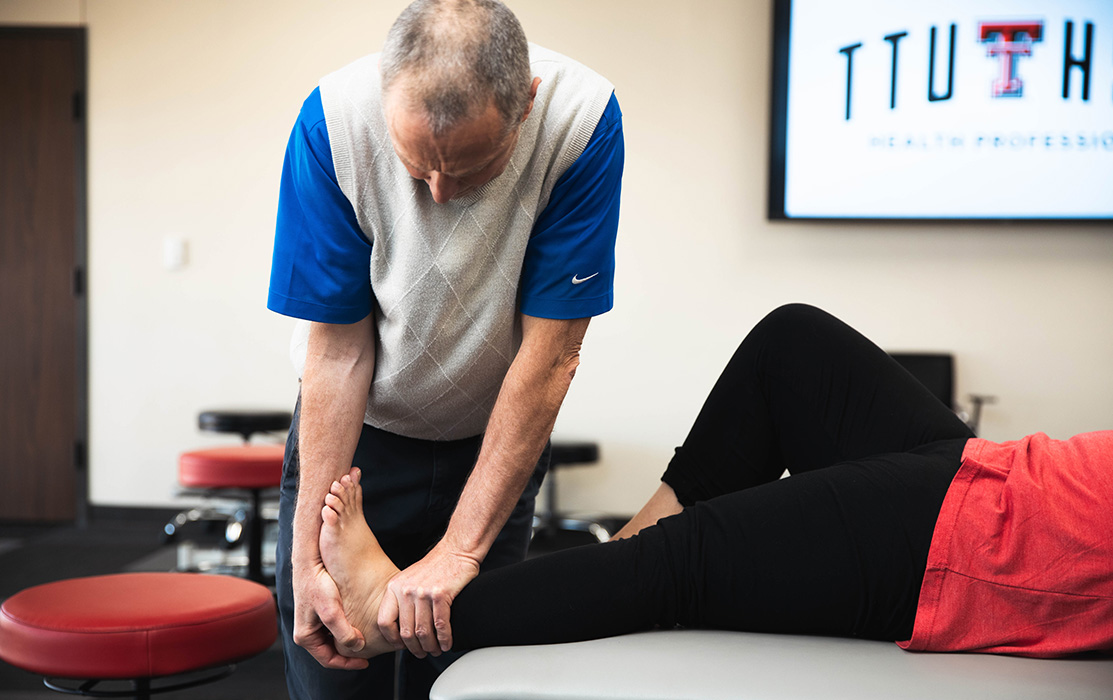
(424, 630)
(441, 613)
(406, 623)
(320, 625)
(344, 635)
(415, 613)
(326, 655)
(417, 620)
(431, 621)
(316, 640)
(388, 620)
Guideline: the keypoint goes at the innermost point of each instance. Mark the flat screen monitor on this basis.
(942, 110)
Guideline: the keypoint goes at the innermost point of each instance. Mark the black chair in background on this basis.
(552, 528)
(936, 371)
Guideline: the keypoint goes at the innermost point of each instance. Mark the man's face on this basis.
(454, 164)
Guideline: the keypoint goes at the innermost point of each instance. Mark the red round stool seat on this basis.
(140, 625)
(233, 467)
(245, 467)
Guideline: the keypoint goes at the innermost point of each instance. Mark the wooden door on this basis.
(42, 333)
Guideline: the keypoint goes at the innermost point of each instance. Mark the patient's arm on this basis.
(356, 562)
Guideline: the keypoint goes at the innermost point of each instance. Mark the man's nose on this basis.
(442, 187)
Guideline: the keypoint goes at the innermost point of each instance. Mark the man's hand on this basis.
(339, 364)
(320, 626)
(415, 611)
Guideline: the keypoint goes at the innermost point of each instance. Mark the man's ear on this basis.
(532, 96)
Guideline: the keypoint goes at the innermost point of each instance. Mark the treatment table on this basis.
(716, 665)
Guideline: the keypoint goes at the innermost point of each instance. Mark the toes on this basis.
(355, 491)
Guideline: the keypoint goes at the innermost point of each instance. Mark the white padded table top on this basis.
(713, 665)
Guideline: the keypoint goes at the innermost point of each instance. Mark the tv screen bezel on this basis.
(778, 144)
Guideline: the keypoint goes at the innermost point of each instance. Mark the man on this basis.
(446, 225)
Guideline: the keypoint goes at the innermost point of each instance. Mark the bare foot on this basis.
(356, 562)
(661, 504)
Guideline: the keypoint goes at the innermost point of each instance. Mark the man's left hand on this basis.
(415, 611)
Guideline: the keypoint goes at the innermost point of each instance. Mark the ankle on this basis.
(661, 504)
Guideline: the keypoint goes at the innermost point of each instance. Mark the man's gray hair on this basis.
(455, 56)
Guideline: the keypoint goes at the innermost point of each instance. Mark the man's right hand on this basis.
(339, 364)
(320, 626)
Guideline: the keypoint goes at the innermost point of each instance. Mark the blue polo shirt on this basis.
(320, 273)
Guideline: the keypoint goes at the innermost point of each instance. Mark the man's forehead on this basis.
(466, 148)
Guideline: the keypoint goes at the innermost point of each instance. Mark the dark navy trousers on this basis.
(410, 488)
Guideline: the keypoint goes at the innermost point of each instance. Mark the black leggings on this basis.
(840, 547)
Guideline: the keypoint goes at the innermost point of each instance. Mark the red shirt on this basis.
(1021, 561)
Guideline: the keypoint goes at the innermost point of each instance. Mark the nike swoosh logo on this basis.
(578, 280)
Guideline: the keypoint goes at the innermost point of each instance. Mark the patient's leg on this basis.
(356, 562)
(804, 391)
(837, 551)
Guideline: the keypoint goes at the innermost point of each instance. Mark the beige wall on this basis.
(190, 106)
(41, 12)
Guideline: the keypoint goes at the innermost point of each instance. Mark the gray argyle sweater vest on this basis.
(444, 277)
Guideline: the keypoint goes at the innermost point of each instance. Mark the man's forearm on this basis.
(520, 425)
(416, 613)
(335, 383)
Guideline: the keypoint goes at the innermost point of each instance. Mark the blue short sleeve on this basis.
(568, 271)
(319, 271)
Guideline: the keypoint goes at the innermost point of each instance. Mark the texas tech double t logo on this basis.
(1007, 42)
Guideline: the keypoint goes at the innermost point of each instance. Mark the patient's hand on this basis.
(356, 562)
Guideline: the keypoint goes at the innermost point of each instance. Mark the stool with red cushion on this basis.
(138, 627)
(250, 468)
(243, 472)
